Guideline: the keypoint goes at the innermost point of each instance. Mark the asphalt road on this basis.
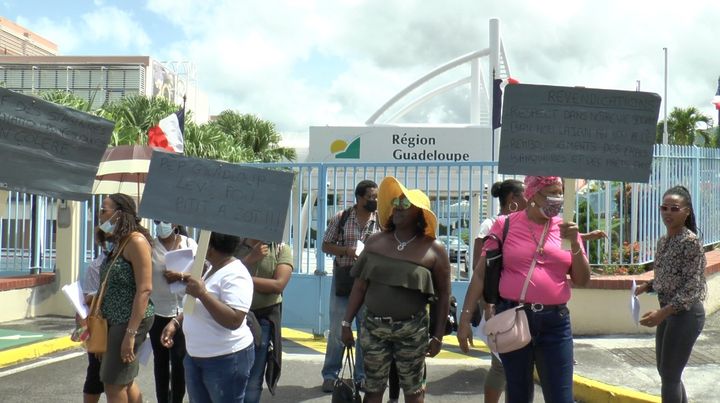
(62, 381)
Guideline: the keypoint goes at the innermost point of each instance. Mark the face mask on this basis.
(163, 229)
(371, 206)
(552, 207)
(108, 227)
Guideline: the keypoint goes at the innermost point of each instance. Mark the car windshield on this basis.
(451, 240)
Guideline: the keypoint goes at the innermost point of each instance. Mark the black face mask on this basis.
(371, 206)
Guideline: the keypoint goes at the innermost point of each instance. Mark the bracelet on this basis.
(176, 321)
(576, 253)
(345, 324)
(436, 339)
(465, 311)
(131, 331)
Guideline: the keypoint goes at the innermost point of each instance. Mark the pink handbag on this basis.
(509, 330)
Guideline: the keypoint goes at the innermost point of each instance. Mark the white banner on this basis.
(399, 144)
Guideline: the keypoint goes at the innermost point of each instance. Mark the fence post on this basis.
(696, 183)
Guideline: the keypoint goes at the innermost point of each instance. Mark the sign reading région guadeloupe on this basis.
(399, 143)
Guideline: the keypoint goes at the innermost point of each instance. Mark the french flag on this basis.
(716, 98)
(168, 134)
(498, 87)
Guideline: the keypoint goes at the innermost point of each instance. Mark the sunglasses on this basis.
(673, 209)
(400, 204)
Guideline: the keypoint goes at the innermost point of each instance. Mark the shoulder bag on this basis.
(343, 280)
(509, 330)
(96, 323)
(493, 266)
(345, 389)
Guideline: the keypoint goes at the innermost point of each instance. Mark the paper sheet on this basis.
(74, 294)
(359, 246)
(634, 304)
(144, 352)
(180, 261)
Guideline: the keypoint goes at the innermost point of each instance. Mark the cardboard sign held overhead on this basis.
(48, 149)
(217, 196)
(578, 132)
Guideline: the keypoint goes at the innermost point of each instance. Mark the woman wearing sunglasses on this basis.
(532, 248)
(398, 273)
(681, 288)
(167, 362)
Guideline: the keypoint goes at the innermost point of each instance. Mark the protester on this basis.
(534, 240)
(270, 265)
(510, 194)
(681, 288)
(167, 362)
(344, 230)
(126, 304)
(93, 386)
(219, 342)
(400, 269)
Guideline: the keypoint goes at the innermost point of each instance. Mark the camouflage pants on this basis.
(404, 341)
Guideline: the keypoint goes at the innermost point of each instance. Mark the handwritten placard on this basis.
(578, 132)
(217, 196)
(48, 149)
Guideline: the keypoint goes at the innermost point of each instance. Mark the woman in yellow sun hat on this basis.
(401, 269)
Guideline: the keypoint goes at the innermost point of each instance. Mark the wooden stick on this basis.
(197, 268)
(568, 206)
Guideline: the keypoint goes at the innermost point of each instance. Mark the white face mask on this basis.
(163, 229)
(108, 227)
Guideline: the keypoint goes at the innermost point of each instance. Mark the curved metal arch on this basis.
(434, 73)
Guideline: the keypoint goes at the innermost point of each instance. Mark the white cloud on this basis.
(104, 25)
(248, 55)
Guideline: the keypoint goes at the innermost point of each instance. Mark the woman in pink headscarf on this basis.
(532, 248)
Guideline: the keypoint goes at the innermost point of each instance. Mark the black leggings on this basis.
(169, 384)
(674, 341)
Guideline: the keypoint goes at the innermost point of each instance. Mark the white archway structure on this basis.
(480, 87)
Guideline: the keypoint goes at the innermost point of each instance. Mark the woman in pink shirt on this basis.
(535, 236)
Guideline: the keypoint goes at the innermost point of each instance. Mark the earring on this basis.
(532, 204)
(510, 207)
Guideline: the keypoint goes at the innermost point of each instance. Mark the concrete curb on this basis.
(588, 390)
(35, 350)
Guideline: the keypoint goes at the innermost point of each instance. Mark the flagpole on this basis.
(665, 131)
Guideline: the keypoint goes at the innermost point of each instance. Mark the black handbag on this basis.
(346, 390)
(493, 267)
(343, 280)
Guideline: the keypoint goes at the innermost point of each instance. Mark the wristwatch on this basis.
(345, 324)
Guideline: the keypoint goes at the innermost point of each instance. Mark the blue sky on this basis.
(314, 62)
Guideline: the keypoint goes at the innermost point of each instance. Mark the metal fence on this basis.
(459, 192)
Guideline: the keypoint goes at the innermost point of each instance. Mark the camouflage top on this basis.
(117, 303)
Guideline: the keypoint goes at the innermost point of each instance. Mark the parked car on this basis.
(456, 247)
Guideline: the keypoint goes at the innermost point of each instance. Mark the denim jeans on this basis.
(335, 347)
(674, 340)
(257, 373)
(219, 379)
(550, 350)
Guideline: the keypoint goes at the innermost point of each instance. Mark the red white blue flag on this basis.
(716, 98)
(168, 134)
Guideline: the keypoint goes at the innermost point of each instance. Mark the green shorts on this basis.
(404, 341)
(113, 370)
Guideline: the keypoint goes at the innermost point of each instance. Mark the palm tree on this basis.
(67, 98)
(134, 116)
(683, 127)
(258, 136)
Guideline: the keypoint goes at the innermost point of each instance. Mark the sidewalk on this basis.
(609, 369)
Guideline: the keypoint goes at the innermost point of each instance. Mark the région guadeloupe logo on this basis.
(343, 150)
